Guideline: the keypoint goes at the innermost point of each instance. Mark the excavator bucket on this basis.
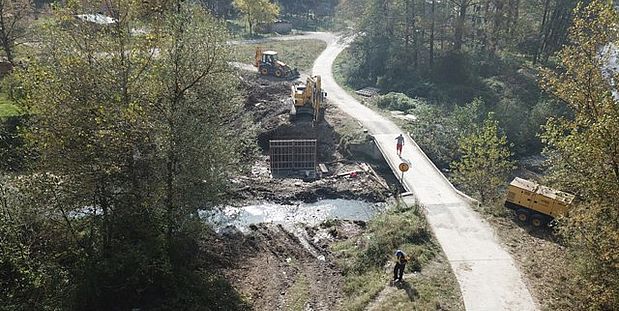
(293, 74)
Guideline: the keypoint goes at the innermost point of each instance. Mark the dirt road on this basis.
(488, 277)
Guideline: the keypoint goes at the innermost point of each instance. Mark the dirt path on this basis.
(488, 277)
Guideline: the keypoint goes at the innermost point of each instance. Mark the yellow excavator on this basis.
(307, 98)
(268, 65)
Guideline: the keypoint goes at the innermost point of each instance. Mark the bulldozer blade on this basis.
(293, 74)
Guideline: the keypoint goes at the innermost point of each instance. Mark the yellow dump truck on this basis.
(535, 203)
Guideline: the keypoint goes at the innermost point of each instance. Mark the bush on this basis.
(396, 101)
(454, 68)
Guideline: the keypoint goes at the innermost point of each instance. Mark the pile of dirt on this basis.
(283, 268)
(268, 105)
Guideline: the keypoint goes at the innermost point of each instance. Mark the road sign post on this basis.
(404, 167)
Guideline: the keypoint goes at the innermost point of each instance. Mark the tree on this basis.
(484, 163)
(14, 15)
(257, 11)
(132, 136)
(583, 151)
(462, 6)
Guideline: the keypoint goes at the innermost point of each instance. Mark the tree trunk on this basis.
(7, 45)
(407, 29)
(415, 38)
(459, 31)
(432, 7)
(496, 27)
(542, 28)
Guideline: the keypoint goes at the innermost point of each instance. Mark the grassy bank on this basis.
(296, 53)
(366, 262)
(7, 109)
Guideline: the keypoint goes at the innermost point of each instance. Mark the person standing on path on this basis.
(399, 144)
(400, 264)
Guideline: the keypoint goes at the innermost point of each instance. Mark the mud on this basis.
(287, 265)
(267, 104)
(277, 267)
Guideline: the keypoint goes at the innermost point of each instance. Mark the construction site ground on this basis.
(349, 176)
(273, 270)
(286, 267)
(292, 266)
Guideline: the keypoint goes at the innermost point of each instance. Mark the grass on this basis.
(361, 289)
(544, 259)
(367, 262)
(299, 293)
(298, 54)
(433, 289)
(7, 108)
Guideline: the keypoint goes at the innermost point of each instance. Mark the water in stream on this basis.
(306, 213)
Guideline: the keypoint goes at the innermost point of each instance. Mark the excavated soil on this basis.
(267, 104)
(289, 266)
(278, 267)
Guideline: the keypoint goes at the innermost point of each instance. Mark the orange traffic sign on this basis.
(404, 167)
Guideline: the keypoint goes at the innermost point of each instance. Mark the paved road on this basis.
(488, 277)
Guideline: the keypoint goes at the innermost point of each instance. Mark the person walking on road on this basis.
(399, 144)
(400, 264)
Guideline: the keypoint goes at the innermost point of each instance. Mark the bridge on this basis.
(486, 273)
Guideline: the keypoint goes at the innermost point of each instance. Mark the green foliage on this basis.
(484, 163)
(7, 109)
(437, 132)
(437, 51)
(11, 144)
(363, 288)
(132, 135)
(583, 152)
(395, 101)
(308, 14)
(400, 228)
(257, 11)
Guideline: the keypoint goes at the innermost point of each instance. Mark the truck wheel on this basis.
(522, 215)
(264, 71)
(538, 220)
(279, 73)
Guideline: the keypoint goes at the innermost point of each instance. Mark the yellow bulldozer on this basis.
(535, 203)
(307, 98)
(268, 65)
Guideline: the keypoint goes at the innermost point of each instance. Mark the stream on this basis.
(311, 214)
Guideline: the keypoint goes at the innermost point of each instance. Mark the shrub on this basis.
(396, 101)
